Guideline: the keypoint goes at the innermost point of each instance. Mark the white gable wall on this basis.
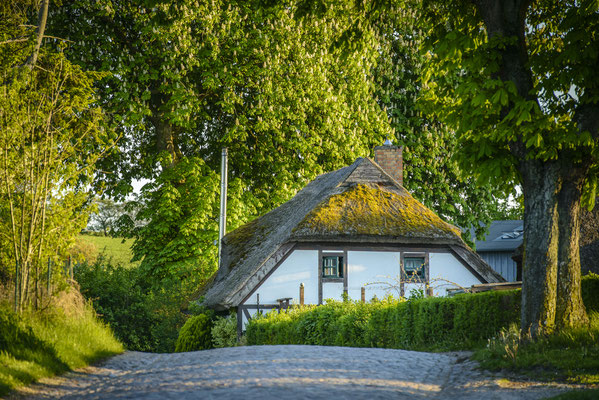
(300, 267)
(446, 271)
(377, 271)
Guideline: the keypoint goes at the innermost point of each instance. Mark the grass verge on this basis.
(592, 394)
(36, 345)
(571, 356)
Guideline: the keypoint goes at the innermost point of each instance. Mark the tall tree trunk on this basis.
(570, 310)
(539, 275)
(166, 139)
(165, 133)
(41, 27)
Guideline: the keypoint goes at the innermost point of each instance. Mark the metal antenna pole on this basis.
(222, 226)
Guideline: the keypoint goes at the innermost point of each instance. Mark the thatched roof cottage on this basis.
(357, 231)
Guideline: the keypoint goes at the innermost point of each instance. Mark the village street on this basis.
(287, 372)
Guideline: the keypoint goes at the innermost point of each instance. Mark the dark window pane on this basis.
(332, 267)
(414, 267)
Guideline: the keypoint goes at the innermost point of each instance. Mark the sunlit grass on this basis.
(43, 344)
(571, 355)
(116, 249)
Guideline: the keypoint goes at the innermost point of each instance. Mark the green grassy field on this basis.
(117, 249)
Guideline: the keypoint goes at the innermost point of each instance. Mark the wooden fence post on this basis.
(239, 321)
(301, 294)
(363, 294)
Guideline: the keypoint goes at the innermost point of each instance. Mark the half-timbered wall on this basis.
(378, 272)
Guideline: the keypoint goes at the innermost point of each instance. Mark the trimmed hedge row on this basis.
(438, 322)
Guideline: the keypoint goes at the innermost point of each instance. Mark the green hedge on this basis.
(195, 334)
(438, 322)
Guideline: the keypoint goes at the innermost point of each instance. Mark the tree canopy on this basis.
(515, 80)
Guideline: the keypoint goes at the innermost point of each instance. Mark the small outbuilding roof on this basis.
(504, 235)
(359, 203)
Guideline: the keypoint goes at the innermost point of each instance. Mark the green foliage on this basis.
(196, 334)
(431, 170)
(143, 319)
(36, 345)
(224, 331)
(430, 323)
(177, 242)
(458, 322)
(590, 394)
(265, 84)
(590, 291)
(570, 354)
(50, 140)
(257, 79)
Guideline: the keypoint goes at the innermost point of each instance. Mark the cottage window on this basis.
(332, 267)
(414, 268)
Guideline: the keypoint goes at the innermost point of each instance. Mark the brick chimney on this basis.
(390, 159)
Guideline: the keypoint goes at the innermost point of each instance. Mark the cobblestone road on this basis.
(287, 372)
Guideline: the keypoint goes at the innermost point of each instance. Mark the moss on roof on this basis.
(243, 239)
(370, 209)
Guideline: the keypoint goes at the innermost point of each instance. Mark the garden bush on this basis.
(142, 318)
(224, 331)
(195, 334)
(462, 321)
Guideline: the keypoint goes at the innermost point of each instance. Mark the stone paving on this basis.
(287, 372)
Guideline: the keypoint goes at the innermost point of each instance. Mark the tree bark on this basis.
(570, 310)
(164, 132)
(540, 186)
(41, 27)
(540, 183)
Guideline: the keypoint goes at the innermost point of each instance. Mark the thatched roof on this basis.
(356, 204)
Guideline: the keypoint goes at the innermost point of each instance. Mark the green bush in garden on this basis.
(430, 323)
(224, 331)
(196, 334)
(142, 318)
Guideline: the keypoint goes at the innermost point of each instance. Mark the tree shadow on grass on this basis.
(18, 342)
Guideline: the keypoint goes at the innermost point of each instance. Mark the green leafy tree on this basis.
(49, 142)
(191, 77)
(431, 168)
(515, 79)
(105, 216)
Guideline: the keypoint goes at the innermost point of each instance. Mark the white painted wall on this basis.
(331, 290)
(300, 267)
(364, 269)
(446, 271)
